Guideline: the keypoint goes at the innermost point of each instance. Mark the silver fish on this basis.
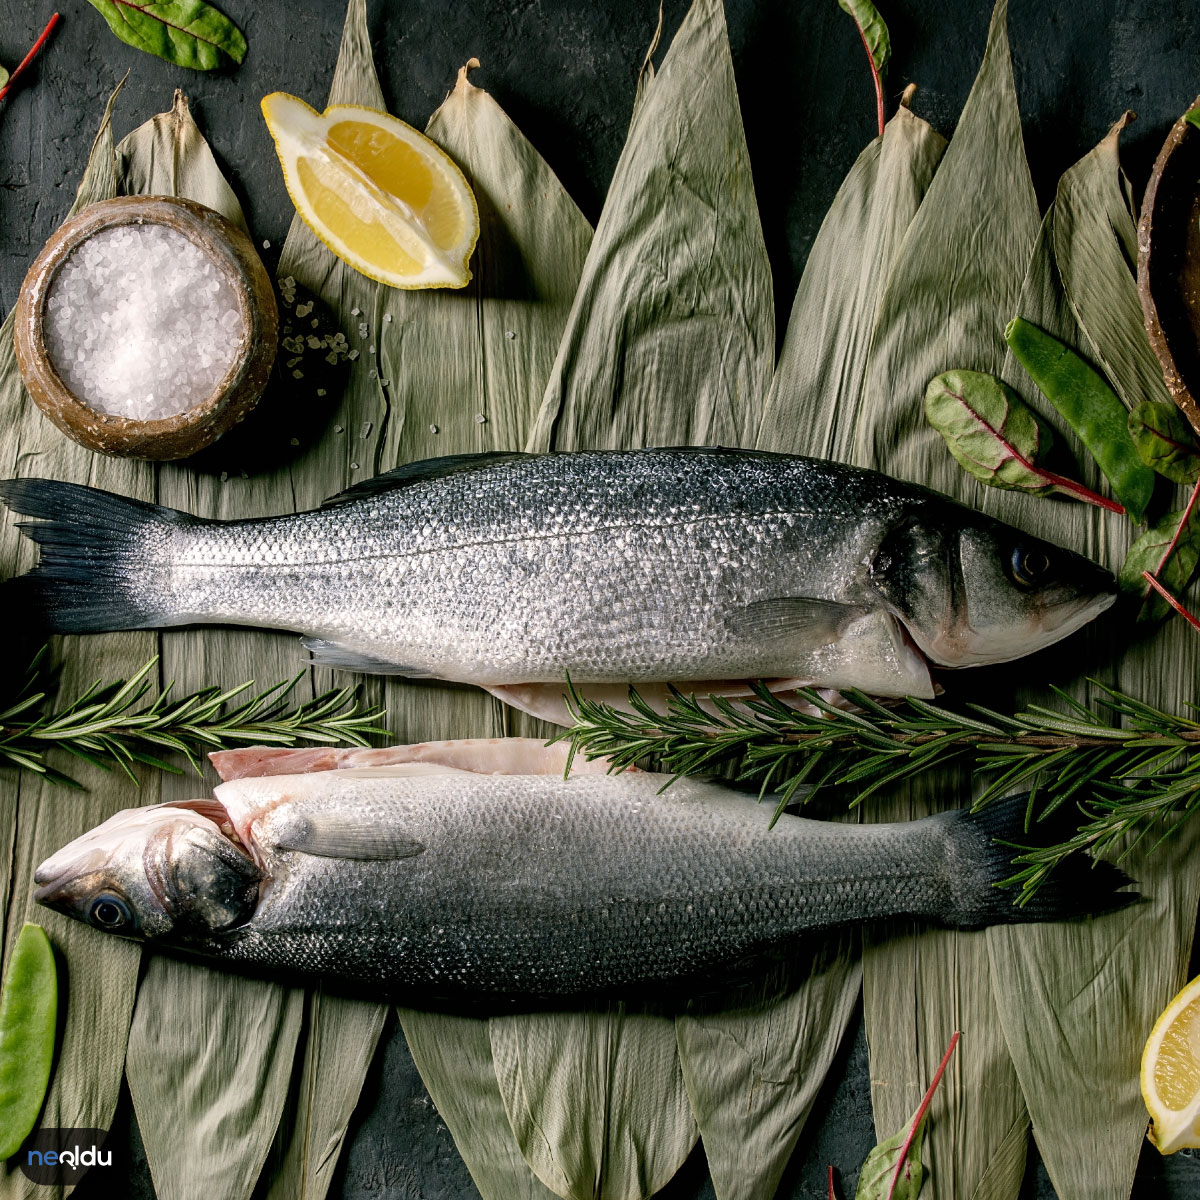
(699, 567)
(422, 877)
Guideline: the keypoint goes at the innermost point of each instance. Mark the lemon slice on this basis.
(378, 193)
(1171, 1073)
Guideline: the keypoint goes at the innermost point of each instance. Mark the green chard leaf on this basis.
(893, 1170)
(3, 76)
(873, 30)
(878, 45)
(1165, 441)
(1192, 116)
(995, 435)
(1085, 401)
(188, 33)
(1170, 551)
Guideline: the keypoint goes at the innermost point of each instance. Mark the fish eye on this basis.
(109, 912)
(1030, 566)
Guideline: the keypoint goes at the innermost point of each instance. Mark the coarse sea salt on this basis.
(140, 323)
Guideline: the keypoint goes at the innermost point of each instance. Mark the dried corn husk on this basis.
(672, 333)
(1077, 1002)
(596, 1100)
(818, 382)
(753, 1072)
(955, 282)
(102, 978)
(464, 371)
(231, 1040)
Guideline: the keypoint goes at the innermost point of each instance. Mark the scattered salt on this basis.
(354, 466)
(355, 311)
(387, 317)
(266, 244)
(295, 441)
(297, 374)
(337, 429)
(320, 391)
(508, 333)
(433, 429)
(141, 323)
(366, 429)
(480, 419)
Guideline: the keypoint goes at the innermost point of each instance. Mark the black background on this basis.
(565, 71)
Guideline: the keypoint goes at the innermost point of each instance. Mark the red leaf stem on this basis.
(832, 1193)
(874, 74)
(30, 56)
(1187, 512)
(921, 1111)
(1162, 591)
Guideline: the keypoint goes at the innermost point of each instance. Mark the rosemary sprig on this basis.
(1132, 771)
(109, 724)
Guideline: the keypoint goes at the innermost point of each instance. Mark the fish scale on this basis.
(617, 567)
(432, 882)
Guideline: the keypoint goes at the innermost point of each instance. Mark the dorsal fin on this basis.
(422, 472)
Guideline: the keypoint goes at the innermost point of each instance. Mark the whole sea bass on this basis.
(428, 875)
(701, 567)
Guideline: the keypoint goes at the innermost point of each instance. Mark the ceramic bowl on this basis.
(232, 253)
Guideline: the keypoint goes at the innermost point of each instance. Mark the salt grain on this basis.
(433, 429)
(140, 322)
(480, 419)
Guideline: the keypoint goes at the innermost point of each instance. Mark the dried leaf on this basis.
(188, 33)
(1084, 400)
(1165, 441)
(955, 282)
(342, 1036)
(675, 300)
(36, 819)
(454, 1057)
(1076, 1000)
(443, 373)
(596, 1100)
(1095, 245)
(242, 1070)
(818, 380)
(753, 1072)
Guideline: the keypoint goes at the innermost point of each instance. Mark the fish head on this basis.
(976, 591)
(163, 873)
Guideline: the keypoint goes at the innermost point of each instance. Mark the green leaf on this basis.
(873, 29)
(956, 280)
(28, 1019)
(1146, 554)
(989, 429)
(1192, 117)
(893, 1170)
(3, 76)
(1085, 401)
(188, 33)
(1165, 441)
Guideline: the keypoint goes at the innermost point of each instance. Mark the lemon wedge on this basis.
(377, 192)
(1171, 1073)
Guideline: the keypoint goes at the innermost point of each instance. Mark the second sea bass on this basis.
(474, 869)
(693, 566)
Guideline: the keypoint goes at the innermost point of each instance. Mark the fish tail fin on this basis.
(103, 562)
(1079, 886)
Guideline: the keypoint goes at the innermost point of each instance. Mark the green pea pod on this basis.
(28, 1016)
(1085, 401)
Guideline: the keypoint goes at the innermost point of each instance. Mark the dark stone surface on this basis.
(564, 70)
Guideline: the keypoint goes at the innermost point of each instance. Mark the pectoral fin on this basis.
(803, 621)
(334, 836)
(326, 653)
